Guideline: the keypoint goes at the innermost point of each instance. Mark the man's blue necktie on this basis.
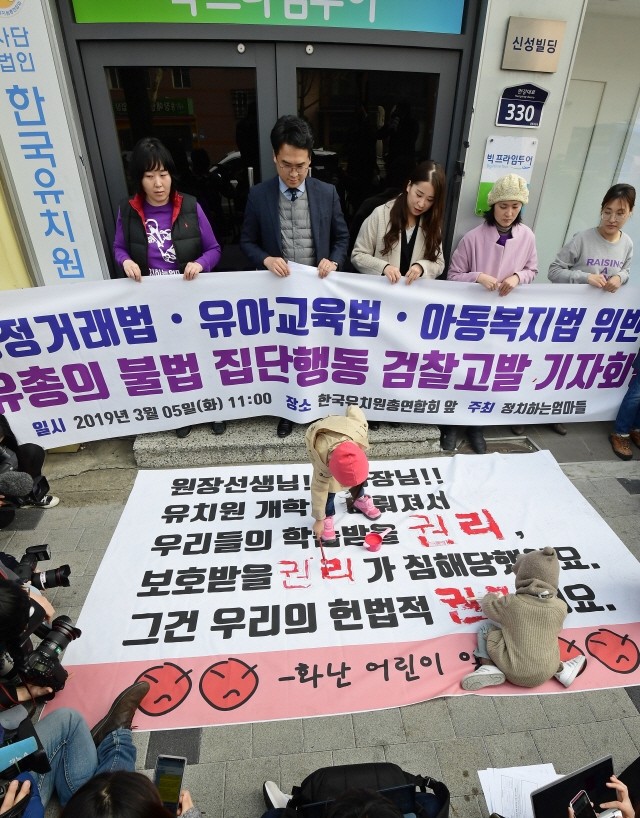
(294, 194)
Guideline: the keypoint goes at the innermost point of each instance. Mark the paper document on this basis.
(507, 791)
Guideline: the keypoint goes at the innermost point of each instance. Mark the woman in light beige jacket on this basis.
(403, 238)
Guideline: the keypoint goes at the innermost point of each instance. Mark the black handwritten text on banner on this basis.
(230, 608)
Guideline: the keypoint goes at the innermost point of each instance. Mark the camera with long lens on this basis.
(26, 571)
(41, 665)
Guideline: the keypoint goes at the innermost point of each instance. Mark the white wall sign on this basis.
(504, 155)
(41, 163)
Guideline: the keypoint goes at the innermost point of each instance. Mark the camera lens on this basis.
(53, 578)
(62, 632)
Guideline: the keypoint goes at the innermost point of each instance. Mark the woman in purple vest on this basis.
(500, 255)
(161, 232)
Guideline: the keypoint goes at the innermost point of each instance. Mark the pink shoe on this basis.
(329, 533)
(365, 505)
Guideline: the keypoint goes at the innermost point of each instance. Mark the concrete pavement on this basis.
(449, 739)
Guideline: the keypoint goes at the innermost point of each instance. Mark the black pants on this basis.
(30, 460)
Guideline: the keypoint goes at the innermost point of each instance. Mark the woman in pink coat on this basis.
(500, 255)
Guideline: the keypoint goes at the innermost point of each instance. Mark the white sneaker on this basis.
(570, 670)
(274, 798)
(484, 676)
(48, 501)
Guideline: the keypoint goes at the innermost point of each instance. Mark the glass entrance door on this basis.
(373, 110)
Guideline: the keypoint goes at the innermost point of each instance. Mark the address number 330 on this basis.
(517, 113)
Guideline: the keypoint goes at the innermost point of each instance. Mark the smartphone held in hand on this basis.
(168, 779)
(582, 808)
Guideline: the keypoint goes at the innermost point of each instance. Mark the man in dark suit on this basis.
(293, 217)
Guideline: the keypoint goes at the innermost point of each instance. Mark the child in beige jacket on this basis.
(335, 446)
(521, 643)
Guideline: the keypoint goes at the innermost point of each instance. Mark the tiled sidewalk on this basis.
(445, 738)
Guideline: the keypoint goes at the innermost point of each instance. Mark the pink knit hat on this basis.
(349, 464)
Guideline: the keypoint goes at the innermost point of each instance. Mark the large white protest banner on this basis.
(111, 358)
(214, 590)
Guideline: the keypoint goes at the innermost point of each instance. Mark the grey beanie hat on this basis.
(537, 571)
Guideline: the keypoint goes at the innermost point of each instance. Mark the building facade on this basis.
(379, 81)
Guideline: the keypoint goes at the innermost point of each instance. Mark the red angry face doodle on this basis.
(618, 653)
(170, 686)
(228, 684)
(569, 650)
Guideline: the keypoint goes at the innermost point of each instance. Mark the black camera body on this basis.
(41, 665)
(26, 571)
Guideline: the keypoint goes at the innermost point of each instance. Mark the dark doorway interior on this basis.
(365, 123)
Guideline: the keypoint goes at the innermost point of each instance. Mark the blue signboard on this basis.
(521, 106)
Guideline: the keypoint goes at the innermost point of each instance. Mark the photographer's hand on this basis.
(13, 796)
(26, 692)
(623, 803)
(185, 802)
(43, 602)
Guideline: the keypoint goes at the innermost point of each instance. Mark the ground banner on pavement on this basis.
(108, 358)
(214, 591)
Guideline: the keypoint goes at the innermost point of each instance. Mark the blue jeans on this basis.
(481, 651)
(330, 508)
(73, 757)
(628, 416)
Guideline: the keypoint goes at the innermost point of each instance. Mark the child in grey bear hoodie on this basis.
(521, 642)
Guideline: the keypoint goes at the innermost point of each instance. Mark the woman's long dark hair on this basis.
(431, 221)
(116, 795)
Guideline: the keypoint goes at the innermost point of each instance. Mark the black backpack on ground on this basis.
(328, 783)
